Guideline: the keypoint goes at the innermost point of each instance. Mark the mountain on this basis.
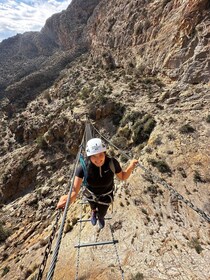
(30, 62)
(140, 71)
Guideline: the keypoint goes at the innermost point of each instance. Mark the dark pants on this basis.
(102, 209)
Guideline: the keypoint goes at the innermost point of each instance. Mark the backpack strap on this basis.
(84, 167)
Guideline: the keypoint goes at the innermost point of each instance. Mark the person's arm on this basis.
(77, 184)
(124, 175)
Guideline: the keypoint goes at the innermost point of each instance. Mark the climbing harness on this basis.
(83, 164)
(90, 196)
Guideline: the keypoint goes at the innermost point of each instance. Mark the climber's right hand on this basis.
(62, 202)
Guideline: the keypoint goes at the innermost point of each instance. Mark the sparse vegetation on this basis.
(24, 163)
(148, 150)
(41, 143)
(187, 128)
(5, 270)
(161, 165)
(142, 129)
(68, 227)
(118, 113)
(4, 232)
(171, 136)
(74, 221)
(119, 141)
(138, 276)
(182, 172)
(158, 141)
(27, 273)
(197, 177)
(154, 190)
(85, 92)
(144, 211)
(128, 103)
(47, 96)
(194, 243)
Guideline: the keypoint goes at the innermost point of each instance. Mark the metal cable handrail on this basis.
(57, 247)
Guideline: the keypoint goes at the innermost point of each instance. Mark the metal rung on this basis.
(88, 220)
(84, 202)
(96, 244)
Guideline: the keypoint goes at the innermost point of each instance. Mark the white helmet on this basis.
(95, 146)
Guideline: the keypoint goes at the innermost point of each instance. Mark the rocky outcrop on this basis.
(169, 37)
(19, 174)
(44, 54)
(66, 28)
(139, 92)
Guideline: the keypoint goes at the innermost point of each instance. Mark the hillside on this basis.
(135, 69)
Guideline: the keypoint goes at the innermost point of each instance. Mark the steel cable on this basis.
(57, 247)
(48, 248)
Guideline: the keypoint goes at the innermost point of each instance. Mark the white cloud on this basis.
(18, 16)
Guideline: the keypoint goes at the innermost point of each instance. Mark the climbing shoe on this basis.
(93, 218)
(101, 223)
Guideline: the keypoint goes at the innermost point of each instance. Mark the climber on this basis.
(99, 172)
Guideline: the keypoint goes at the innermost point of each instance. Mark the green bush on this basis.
(41, 143)
(197, 177)
(142, 129)
(85, 92)
(194, 243)
(144, 211)
(131, 117)
(119, 110)
(161, 165)
(24, 163)
(153, 189)
(149, 125)
(138, 276)
(208, 119)
(187, 128)
(4, 233)
(6, 269)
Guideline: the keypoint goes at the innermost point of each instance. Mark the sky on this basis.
(19, 16)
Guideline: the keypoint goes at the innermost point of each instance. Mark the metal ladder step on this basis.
(88, 220)
(96, 244)
(84, 202)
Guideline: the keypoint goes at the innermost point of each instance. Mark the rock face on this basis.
(135, 69)
(66, 28)
(169, 37)
(30, 62)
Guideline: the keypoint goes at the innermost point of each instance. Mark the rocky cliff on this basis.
(140, 70)
(157, 36)
(30, 62)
